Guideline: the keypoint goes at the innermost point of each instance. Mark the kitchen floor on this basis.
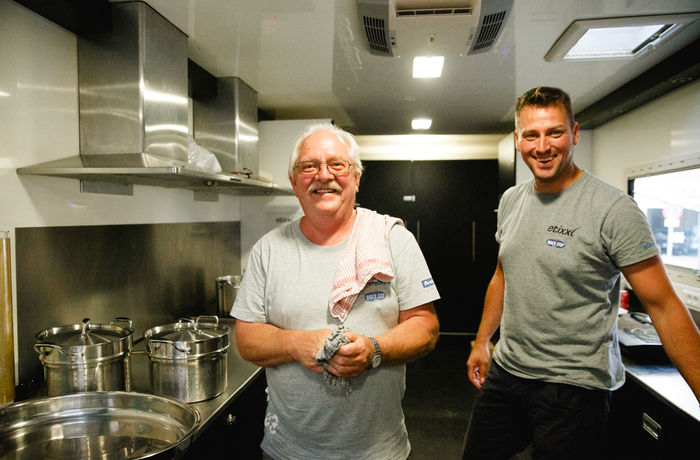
(438, 401)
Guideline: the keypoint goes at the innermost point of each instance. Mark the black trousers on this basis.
(561, 421)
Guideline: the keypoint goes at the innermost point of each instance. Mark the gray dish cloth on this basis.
(329, 348)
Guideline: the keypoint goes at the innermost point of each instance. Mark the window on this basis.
(671, 202)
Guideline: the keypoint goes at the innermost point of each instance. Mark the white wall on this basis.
(429, 147)
(658, 133)
(39, 122)
(666, 128)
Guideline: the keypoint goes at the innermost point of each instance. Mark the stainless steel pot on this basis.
(188, 359)
(86, 357)
(97, 425)
(226, 292)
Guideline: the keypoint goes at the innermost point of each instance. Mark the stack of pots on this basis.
(86, 357)
(188, 359)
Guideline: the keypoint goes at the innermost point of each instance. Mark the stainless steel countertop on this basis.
(665, 381)
(240, 374)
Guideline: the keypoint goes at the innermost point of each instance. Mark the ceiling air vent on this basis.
(433, 11)
(432, 27)
(377, 35)
(488, 32)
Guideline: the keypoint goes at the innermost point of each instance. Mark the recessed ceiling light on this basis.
(421, 123)
(616, 38)
(428, 66)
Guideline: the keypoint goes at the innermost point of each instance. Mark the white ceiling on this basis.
(308, 59)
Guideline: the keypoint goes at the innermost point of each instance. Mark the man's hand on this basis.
(478, 364)
(303, 346)
(352, 359)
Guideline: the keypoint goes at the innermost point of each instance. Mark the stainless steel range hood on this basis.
(227, 125)
(133, 91)
(133, 111)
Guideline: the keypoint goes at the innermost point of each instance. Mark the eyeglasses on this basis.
(338, 168)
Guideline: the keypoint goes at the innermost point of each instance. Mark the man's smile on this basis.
(322, 189)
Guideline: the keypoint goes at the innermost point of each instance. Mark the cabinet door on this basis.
(644, 427)
(238, 431)
(449, 207)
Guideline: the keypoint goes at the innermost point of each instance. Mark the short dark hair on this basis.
(544, 96)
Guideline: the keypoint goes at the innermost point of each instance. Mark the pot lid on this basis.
(189, 334)
(84, 334)
(187, 330)
(187, 339)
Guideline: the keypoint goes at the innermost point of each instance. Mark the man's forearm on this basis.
(262, 344)
(493, 308)
(269, 346)
(414, 336)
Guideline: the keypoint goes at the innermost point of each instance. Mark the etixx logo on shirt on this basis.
(559, 230)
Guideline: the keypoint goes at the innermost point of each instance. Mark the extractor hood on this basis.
(133, 109)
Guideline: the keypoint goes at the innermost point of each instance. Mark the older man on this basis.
(565, 238)
(333, 305)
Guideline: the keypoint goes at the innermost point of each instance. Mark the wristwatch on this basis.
(377, 357)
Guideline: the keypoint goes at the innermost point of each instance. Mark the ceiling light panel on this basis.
(428, 66)
(421, 123)
(616, 38)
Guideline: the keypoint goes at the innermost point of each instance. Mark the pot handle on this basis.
(185, 320)
(185, 350)
(122, 319)
(38, 348)
(199, 319)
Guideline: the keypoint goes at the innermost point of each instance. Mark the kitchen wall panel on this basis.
(666, 128)
(153, 274)
(39, 122)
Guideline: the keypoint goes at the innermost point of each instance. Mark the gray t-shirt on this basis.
(287, 283)
(561, 255)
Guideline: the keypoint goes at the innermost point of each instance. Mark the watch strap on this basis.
(377, 357)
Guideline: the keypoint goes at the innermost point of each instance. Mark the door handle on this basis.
(651, 426)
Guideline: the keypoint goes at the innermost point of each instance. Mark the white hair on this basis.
(347, 138)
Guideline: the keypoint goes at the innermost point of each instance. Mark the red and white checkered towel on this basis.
(365, 257)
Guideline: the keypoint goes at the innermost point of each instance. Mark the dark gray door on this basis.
(454, 221)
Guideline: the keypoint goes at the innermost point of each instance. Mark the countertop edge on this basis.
(667, 384)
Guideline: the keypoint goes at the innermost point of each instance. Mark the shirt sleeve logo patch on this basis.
(427, 282)
(555, 243)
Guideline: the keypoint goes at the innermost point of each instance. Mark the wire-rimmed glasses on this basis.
(338, 168)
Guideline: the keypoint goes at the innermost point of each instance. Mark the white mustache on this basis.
(332, 185)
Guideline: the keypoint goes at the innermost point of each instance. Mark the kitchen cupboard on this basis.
(238, 430)
(644, 426)
(449, 207)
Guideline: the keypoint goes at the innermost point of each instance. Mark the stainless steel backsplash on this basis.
(150, 273)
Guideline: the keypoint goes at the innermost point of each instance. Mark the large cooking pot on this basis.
(188, 359)
(97, 425)
(86, 357)
(226, 292)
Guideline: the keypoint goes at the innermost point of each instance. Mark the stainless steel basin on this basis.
(97, 425)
